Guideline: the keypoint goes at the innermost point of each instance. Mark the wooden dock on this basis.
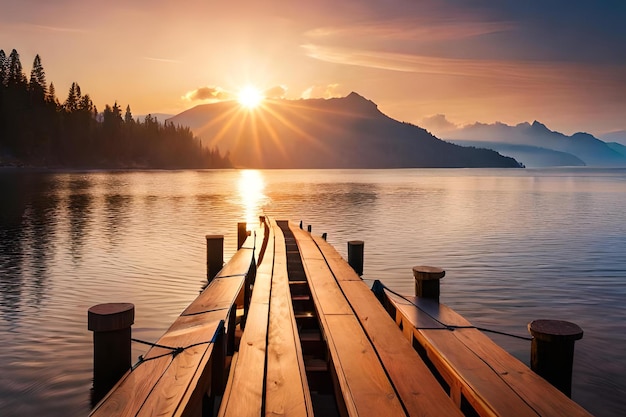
(287, 328)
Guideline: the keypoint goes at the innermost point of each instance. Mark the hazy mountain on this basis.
(617, 147)
(347, 132)
(530, 156)
(589, 149)
(618, 136)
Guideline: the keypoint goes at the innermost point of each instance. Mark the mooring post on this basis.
(324, 235)
(309, 228)
(110, 324)
(427, 281)
(552, 351)
(355, 255)
(242, 234)
(214, 255)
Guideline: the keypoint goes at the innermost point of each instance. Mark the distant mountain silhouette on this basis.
(618, 136)
(582, 146)
(347, 132)
(617, 147)
(530, 156)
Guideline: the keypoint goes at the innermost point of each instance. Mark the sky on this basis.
(435, 63)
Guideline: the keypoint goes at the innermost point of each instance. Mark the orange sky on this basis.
(563, 64)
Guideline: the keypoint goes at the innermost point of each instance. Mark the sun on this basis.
(250, 97)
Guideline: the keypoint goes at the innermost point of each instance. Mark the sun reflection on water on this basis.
(251, 188)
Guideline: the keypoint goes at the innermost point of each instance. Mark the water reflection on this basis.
(79, 207)
(251, 188)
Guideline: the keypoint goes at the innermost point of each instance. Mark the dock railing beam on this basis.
(111, 326)
(427, 281)
(552, 351)
(214, 255)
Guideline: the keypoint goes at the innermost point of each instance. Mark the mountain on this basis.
(617, 147)
(583, 146)
(618, 136)
(530, 156)
(346, 132)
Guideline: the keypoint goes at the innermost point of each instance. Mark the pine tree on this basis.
(128, 116)
(15, 75)
(3, 71)
(37, 84)
(51, 96)
(73, 98)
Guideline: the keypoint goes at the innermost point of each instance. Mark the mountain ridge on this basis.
(343, 132)
(503, 138)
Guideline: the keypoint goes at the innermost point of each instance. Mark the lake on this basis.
(517, 245)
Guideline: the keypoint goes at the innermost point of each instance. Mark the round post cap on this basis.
(426, 273)
(110, 316)
(555, 330)
(214, 237)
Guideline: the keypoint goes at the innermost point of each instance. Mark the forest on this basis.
(37, 130)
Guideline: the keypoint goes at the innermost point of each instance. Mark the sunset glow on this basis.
(250, 97)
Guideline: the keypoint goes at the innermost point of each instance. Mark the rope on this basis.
(451, 327)
(175, 351)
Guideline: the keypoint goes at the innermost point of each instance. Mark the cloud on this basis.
(167, 60)
(275, 92)
(413, 29)
(437, 123)
(322, 91)
(208, 93)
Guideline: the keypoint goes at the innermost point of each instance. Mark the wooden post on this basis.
(110, 324)
(552, 351)
(308, 228)
(427, 281)
(355, 255)
(242, 234)
(324, 235)
(214, 255)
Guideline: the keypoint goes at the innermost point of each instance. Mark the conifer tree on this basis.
(51, 96)
(128, 116)
(37, 84)
(15, 75)
(3, 72)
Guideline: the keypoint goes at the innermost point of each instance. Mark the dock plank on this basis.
(418, 389)
(493, 381)
(175, 384)
(245, 388)
(361, 378)
(287, 391)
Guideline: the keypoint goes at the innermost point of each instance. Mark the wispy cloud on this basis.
(54, 29)
(411, 29)
(208, 93)
(493, 70)
(322, 91)
(166, 60)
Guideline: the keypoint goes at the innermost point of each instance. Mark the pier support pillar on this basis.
(110, 324)
(242, 234)
(427, 281)
(214, 255)
(552, 351)
(355, 255)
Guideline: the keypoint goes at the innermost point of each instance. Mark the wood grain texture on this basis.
(492, 380)
(418, 389)
(287, 391)
(245, 387)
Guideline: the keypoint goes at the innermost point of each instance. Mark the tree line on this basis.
(36, 129)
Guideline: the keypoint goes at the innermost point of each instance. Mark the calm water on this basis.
(517, 245)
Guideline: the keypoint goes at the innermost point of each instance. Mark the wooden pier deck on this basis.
(287, 328)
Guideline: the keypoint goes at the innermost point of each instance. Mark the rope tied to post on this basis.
(451, 327)
(175, 351)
